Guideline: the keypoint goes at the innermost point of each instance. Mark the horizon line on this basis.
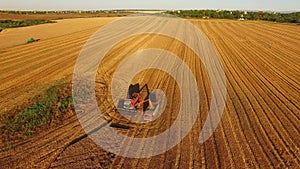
(143, 9)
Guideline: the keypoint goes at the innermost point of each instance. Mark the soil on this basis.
(259, 128)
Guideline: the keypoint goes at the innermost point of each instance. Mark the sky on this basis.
(273, 5)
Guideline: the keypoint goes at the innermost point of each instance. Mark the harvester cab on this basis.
(139, 100)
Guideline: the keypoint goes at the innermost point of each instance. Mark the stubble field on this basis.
(259, 128)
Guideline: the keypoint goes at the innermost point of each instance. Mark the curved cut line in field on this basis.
(260, 126)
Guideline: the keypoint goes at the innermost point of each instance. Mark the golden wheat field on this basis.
(260, 126)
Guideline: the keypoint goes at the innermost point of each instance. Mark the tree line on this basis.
(248, 15)
(220, 14)
(61, 12)
(21, 23)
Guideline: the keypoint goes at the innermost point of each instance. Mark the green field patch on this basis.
(4, 24)
(44, 109)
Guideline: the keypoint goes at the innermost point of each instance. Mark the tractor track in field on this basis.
(259, 128)
(52, 42)
(39, 52)
(280, 95)
(59, 60)
(281, 30)
(254, 90)
(274, 55)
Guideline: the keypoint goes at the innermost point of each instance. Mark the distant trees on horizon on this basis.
(218, 14)
(236, 14)
(32, 12)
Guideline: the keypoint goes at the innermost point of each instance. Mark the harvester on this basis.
(135, 102)
(31, 40)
